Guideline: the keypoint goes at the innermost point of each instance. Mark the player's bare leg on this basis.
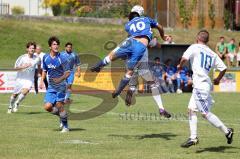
(110, 57)
(20, 98)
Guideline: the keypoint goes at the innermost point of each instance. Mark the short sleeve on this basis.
(65, 62)
(153, 23)
(44, 63)
(77, 60)
(219, 64)
(18, 62)
(188, 53)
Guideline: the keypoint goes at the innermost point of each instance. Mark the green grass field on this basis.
(118, 134)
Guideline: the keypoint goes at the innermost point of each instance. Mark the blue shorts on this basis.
(53, 97)
(132, 50)
(70, 78)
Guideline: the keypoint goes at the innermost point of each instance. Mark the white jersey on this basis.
(41, 58)
(28, 73)
(202, 60)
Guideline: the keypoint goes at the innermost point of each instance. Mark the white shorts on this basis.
(201, 100)
(22, 83)
(238, 57)
(231, 56)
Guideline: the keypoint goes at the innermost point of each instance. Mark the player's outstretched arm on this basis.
(161, 32)
(216, 81)
(182, 62)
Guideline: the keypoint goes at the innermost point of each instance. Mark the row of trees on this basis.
(73, 7)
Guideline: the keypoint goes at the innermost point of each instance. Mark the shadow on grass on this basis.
(72, 129)
(217, 149)
(165, 136)
(31, 113)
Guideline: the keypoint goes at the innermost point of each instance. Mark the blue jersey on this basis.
(158, 71)
(170, 70)
(55, 68)
(183, 72)
(140, 26)
(74, 60)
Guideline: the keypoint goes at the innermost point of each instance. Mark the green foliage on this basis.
(201, 21)
(105, 12)
(186, 13)
(17, 10)
(211, 13)
(227, 18)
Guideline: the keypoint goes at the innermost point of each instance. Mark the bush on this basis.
(83, 11)
(104, 12)
(17, 10)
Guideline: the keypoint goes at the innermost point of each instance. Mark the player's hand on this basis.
(179, 67)
(78, 74)
(57, 80)
(166, 37)
(216, 81)
(41, 84)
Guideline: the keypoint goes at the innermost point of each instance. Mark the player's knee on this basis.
(25, 91)
(205, 116)
(48, 107)
(153, 85)
(63, 115)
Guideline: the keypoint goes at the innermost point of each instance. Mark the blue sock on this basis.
(103, 62)
(123, 83)
(63, 118)
(178, 83)
(65, 123)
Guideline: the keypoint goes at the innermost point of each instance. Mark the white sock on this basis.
(215, 121)
(12, 100)
(157, 97)
(106, 60)
(20, 98)
(193, 125)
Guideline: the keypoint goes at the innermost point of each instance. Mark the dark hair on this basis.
(156, 58)
(133, 15)
(52, 39)
(233, 39)
(30, 43)
(68, 43)
(221, 37)
(203, 36)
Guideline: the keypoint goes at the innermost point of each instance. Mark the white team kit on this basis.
(202, 60)
(25, 78)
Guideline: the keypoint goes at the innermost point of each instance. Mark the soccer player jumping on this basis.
(202, 60)
(57, 67)
(133, 48)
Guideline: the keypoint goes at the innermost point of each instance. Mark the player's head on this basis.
(31, 46)
(133, 15)
(222, 39)
(68, 47)
(203, 36)
(53, 43)
(38, 49)
(157, 60)
(232, 41)
(138, 9)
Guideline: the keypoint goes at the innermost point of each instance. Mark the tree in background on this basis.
(186, 13)
(211, 13)
(62, 7)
